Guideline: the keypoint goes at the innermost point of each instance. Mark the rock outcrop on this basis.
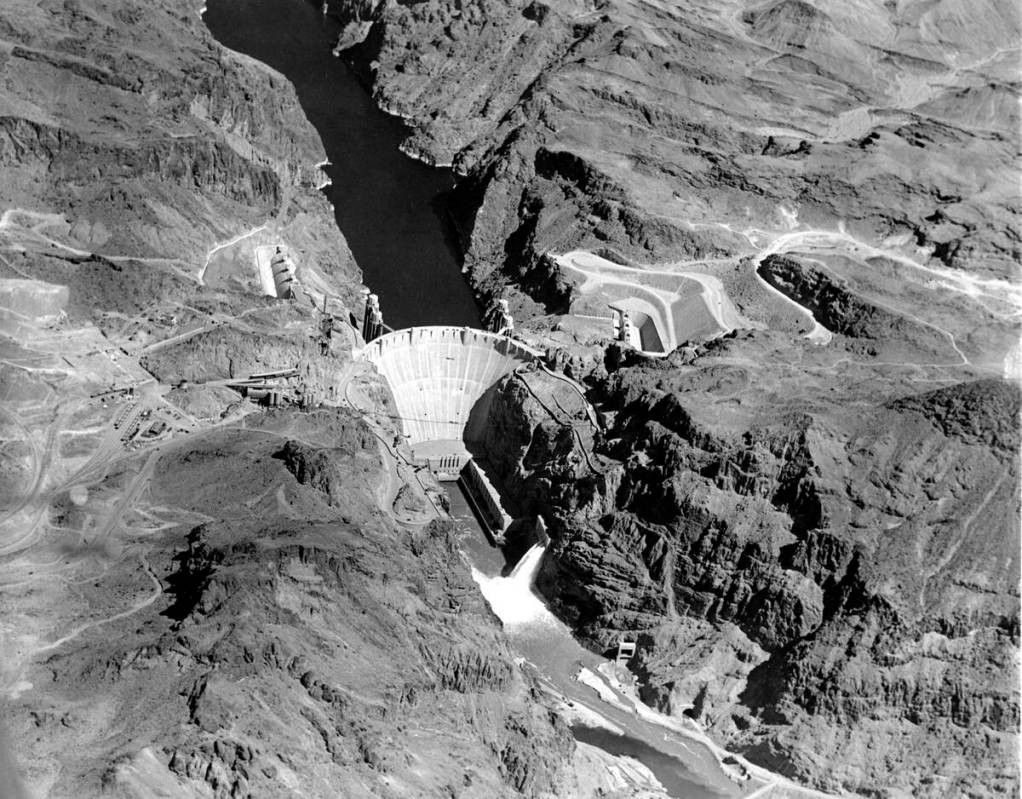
(230, 606)
(817, 586)
(301, 641)
(841, 310)
(834, 529)
(816, 548)
(133, 139)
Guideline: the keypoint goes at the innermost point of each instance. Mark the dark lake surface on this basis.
(385, 203)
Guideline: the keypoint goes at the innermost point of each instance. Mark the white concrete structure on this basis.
(485, 501)
(637, 324)
(667, 305)
(276, 271)
(441, 376)
(283, 269)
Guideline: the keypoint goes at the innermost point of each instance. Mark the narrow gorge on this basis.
(751, 278)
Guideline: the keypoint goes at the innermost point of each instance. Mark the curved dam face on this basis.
(440, 377)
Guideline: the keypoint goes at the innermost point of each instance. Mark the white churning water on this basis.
(512, 597)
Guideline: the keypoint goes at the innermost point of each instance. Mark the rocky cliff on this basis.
(836, 306)
(822, 571)
(130, 136)
(299, 640)
(227, 603)
(817, 546)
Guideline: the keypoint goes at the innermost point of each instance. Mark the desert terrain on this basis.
(793, 482)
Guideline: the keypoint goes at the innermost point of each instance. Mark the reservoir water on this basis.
(386, 204)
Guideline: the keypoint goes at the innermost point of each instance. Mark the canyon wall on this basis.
(651, 132)
(142, 140)
(816, 546)
(227, 609)
(821, 569)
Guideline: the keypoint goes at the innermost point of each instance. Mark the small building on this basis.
(625, 651)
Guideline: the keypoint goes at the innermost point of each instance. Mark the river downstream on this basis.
(385, 203)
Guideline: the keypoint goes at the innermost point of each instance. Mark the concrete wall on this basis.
(447, 467)
(651, 325)
(485, 500)
(438, 374)
(263, 255)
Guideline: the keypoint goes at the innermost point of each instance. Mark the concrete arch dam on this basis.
(441, 379)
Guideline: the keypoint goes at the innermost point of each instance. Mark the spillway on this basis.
(441, 378)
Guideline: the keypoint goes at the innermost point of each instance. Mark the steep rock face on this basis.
(337, 471)
(839, 539)
(841, 310)
(982, 412)
(137, 137)
(229, 353)
(230, 612)
(850, 574)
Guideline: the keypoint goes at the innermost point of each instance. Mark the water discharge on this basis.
(512, 597)
(604, 716)
(385, 206)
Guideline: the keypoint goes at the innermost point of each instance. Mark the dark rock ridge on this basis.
(817, 548)
(231, 611)
(841, 310)
(153, 142)
(191, 163)
(842, 556)
(983, 412)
